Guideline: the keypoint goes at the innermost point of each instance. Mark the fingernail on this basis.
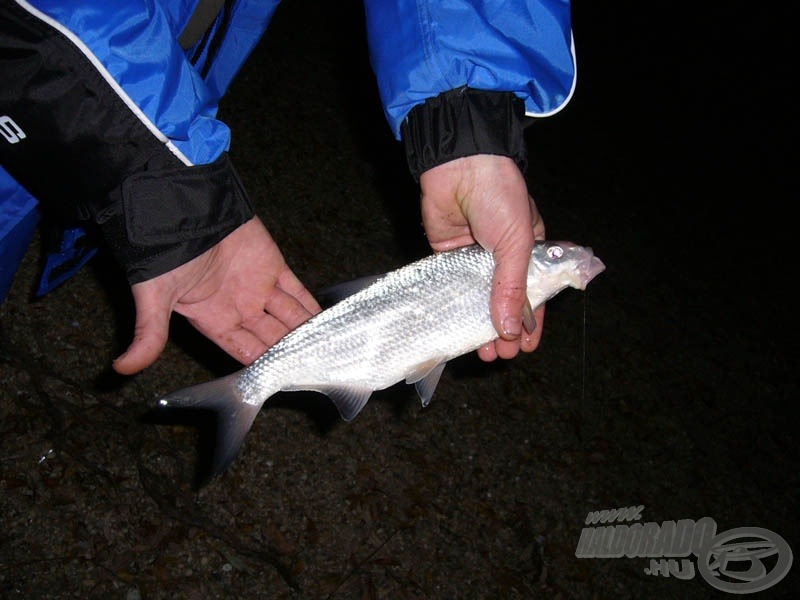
(512, 326)
(527, 317)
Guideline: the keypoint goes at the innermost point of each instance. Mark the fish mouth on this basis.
(590, 268)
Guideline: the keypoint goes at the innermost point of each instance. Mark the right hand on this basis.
(484, 199)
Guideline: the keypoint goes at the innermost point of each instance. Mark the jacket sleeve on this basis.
(117, 126)
(488, 65)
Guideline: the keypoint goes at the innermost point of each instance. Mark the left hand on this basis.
(484, 199)
(240, 294)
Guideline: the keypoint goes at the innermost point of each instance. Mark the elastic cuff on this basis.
(464, 122)
(159, 220)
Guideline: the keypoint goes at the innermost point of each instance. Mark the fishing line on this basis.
(583, 353)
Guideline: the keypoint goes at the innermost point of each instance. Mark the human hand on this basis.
(484, 199)
(240, 294)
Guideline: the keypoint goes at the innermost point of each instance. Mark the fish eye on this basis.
(555, 252)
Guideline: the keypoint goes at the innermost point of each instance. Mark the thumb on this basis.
(150, 333)
(509, 290)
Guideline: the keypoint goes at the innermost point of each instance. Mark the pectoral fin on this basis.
(425, 379)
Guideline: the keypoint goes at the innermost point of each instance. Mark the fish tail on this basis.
(234, 411)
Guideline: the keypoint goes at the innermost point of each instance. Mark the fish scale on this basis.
(404, 325)
(373, 337)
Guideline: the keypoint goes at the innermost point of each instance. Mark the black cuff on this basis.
(464, 122)
(161, 219)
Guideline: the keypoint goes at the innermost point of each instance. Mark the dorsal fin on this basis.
(336, 293)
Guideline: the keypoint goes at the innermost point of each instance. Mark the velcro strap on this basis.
(161, 219)
(176, 205)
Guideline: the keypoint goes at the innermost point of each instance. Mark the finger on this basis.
(241, 344)
(509, 288)
(487, 353)
(452, 242)
(532, 336)
(286, 308)
(507, 349)
(289, 283)
(243, 338)
(530, 339)
(528, 322)
(266, 328)
(150, 332)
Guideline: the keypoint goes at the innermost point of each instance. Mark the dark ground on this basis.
(667, 384)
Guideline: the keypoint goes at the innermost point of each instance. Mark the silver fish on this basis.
(404, 325)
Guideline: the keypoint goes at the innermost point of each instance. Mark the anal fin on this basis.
(425, 379)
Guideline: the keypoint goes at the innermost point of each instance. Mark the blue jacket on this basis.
(144, 79)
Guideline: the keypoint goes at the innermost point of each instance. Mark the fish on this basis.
(404, 325)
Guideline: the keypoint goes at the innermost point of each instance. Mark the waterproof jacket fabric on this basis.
(108, 107)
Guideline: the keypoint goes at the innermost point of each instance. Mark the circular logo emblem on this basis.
(745, 560)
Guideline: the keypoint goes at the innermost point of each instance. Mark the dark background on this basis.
(669, 383)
